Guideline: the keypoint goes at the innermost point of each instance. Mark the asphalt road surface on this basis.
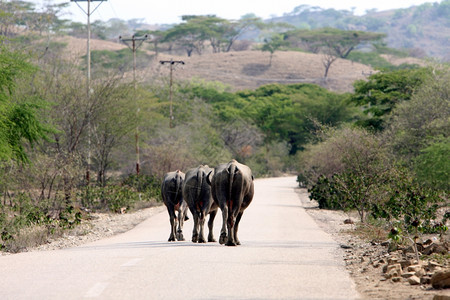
(284, 255)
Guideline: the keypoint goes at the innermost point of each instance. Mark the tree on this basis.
(235, 29)
(333, 43)
(349, 166)
(383, 91)
(19, 117)
(272, 44)
(220, 33)
(418, 128)
(114, 120)
(287, 112)
(189, 35)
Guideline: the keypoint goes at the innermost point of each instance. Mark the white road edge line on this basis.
(96, 290)
(132, 262)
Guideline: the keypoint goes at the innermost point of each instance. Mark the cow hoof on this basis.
(211, 240)
(201, 240)
(180, 237)
(222, 239)
(194, 239)
(171, 239)
(230, 243)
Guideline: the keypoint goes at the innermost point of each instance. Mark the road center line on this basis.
(132, 262)
(96, 290)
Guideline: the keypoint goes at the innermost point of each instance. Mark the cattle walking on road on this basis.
(197, 194)
(171, 191)
(232, 190)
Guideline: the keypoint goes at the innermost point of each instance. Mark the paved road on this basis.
(284, 255)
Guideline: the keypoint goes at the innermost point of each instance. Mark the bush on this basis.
(432, 165)
(346, 170)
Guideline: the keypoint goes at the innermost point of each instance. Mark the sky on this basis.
(170, 11)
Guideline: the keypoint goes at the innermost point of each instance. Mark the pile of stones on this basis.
(402, 265)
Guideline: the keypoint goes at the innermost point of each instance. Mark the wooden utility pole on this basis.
(133, 47)
(172, 64)
(88, 75)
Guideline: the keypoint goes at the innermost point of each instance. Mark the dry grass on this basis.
(243, 69)
(250, 69)
(30, 237)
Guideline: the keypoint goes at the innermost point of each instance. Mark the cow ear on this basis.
(209, 177)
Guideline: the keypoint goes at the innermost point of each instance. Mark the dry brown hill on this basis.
(251, 69)
(245, 69)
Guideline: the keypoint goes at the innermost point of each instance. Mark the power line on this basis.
(133, 47)
(88, 75)
(172, 64)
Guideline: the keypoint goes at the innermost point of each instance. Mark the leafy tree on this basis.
(189, 35)
(284, 112)
(383, 91)
(417, 124)
(19, 117)
(346, 170)
(272, 44)
(432, 165)
(333, 43)
(220, 33)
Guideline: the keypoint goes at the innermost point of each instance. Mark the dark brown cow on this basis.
(171, 192)
(232, 189)
(197, 194)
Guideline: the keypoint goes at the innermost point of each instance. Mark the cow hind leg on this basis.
(179, 234)
(236, 226)
(195, 229)
(212, 215)
(172, 226)
(230, 226)
(201, 221)
(223, 231)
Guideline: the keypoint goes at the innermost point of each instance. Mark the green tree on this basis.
(286, 112)
(220, 33)
(383, 91)
(420, 126)
(432, 165)
(332, 43)
(19, 117)
(272, 44)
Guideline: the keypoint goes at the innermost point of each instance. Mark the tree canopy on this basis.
(19, 118)
(383, 91)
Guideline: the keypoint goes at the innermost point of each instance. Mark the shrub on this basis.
(347, 169)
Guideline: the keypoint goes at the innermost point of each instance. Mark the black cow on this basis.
(172, 195)
(197, 194)
(232, 189)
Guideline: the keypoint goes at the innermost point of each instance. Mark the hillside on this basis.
(243, 69)
(422, 30)
(251, 69)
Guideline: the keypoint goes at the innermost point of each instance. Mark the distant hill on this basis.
(242, 69)
(422, 30)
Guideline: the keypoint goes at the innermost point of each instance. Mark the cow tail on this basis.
(198, 190)
(231, 172)
(179, 183)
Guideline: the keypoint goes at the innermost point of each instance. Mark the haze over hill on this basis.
(244, 69)
(423, 30)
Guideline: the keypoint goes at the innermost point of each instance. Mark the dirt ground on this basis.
(359, 255)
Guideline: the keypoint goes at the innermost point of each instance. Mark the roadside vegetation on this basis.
(392, 165)
(381, 150)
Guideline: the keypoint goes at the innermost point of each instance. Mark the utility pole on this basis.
(133, 48)
(88, 75)
(172, 64)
